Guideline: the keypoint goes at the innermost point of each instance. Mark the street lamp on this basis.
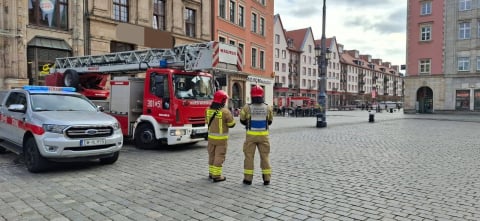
(322, 59)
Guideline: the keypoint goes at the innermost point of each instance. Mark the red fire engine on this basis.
(167, 106)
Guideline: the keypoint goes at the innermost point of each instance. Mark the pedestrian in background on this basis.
(219, 119)
(257, 117)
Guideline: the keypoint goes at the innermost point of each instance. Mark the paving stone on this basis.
(402, 167)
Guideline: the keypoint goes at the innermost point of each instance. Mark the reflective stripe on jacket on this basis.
(218, 129)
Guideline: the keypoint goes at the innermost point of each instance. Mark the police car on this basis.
(56, 124)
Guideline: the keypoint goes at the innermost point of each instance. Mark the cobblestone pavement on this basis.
(402, 167)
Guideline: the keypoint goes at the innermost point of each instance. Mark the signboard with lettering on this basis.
(228, 54)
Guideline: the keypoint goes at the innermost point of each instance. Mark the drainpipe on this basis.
(86, 28)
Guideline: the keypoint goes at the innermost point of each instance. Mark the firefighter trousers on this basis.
(253, 142)
(217, 150)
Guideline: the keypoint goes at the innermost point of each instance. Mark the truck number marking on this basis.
(152, 103)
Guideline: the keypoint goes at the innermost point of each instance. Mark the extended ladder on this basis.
(190, 57)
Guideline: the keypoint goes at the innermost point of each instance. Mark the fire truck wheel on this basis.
(2, 150)
(71, 78)
(110, 160)
(33, 160)
(145, 137)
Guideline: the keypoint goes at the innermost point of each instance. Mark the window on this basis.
(54, 16)
(159, 14)
(284, 67)
(424, 66)
(304, 71)
(221, 8)
(254, 57)
(190, 22)
(284, 54)
(241, 12)
(222, 39)
(254, 22)
(464, 30)
(426, 8)
(463, 64)
(425, 33)
(464, 5)
(277, 39)
(120, 10)
(262, 60)
(478, 63)
(232, 42)
(277, 52)
(277, 66)
(116, 46)
(232, 11)
(262, 26)
(309, 49)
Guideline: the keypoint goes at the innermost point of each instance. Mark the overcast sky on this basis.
(374, 27)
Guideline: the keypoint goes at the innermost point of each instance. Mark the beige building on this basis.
(33, 33)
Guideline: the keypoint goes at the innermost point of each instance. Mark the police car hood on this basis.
(74, 118)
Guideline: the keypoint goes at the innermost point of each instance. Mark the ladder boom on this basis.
(198, 56)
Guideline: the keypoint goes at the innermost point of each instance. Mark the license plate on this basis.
(201, 131)
(92, 142)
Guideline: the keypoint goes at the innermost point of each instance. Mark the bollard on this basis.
(371, 117)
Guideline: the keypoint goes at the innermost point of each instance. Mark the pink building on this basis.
(443, 61)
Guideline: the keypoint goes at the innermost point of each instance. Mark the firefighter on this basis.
(219, 119)
(256, 117)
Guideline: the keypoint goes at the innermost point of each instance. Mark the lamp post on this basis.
(322, 59)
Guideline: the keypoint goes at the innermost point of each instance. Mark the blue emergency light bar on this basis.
(48, 88)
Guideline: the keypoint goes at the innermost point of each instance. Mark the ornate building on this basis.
(33, 33)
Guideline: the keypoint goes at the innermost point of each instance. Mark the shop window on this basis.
(476, 104)
(462, 100)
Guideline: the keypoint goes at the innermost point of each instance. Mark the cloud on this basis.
(375, 27)
(393, 23)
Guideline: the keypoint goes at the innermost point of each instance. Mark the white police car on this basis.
(56, 124)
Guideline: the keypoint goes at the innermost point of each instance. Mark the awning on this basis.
(47, 42)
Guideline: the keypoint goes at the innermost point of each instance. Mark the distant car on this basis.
(56, 124)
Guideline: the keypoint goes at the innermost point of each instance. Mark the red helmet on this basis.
(256, 91)
(220, 97)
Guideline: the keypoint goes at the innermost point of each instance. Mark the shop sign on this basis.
(258, 80)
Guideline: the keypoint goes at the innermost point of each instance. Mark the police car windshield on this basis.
(60, 102)
(193, 87)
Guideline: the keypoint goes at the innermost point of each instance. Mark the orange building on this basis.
(247, 24)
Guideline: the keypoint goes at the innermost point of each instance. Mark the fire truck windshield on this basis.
(193, 87)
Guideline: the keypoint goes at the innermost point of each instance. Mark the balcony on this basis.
(277, 85)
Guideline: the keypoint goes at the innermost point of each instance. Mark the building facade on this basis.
(248, 25)
(443, 60)
(351, 78)
(33, 33)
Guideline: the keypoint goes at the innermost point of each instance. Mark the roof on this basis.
(298, 37)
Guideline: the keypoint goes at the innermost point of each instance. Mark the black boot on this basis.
(247, 182)
(265, 182)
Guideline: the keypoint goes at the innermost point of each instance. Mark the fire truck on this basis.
(167, 105)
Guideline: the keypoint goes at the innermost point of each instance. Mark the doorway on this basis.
(424, 102)
(236, 96)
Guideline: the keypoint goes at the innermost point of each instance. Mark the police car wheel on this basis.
(110, 160)
(33, 160)
(145, 137)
